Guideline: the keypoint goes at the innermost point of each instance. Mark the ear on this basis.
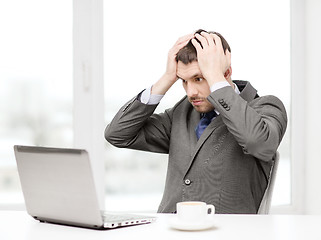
(228, 73)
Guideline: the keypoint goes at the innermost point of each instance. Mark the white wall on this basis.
(312, 155)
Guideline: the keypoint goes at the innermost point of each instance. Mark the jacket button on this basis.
(221, 101)
(187, 181)
(245, 150)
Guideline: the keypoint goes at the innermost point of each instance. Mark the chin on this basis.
(202, 110)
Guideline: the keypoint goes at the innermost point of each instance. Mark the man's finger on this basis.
(179, 46)
(181, 42)
(209, 38)
(218, 41)
(197, 45)
(202, 39)
(185, 38)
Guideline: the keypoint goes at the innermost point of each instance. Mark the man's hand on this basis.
(212, 60)
(170, 75)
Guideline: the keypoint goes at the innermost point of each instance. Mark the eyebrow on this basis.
(194, 76)
(197, 75)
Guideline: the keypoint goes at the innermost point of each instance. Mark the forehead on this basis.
(187, 71)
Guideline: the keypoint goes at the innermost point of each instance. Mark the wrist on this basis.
(215, 78)
(163, 84)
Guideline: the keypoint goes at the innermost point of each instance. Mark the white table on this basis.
(18, 225)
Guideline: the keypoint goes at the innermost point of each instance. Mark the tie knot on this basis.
(209, 115)
(204, 122)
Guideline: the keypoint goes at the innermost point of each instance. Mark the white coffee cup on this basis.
(194, 212)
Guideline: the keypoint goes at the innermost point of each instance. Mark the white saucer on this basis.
(176, 224)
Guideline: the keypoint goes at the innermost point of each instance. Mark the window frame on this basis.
(88, 80)
(297, 122)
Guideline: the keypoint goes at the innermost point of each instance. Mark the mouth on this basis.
(197, 102)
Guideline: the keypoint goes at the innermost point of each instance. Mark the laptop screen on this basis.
(58, 185)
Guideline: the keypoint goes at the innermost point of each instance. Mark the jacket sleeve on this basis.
(136, 127)
(258, 126)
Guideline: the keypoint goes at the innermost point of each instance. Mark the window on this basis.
(36, 83)
(36, 67)
(136, 44)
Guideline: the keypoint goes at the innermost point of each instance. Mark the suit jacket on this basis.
(228, 166)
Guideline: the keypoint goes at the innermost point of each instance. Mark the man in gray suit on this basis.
(226, 161)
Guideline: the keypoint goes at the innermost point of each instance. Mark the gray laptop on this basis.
(58, 187)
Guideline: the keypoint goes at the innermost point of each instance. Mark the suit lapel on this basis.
(195, 118)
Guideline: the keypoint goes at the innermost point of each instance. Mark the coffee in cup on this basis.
(194, 212)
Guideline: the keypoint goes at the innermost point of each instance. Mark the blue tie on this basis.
(204, 122)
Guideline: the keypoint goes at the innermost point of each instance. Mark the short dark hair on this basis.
(188, 53)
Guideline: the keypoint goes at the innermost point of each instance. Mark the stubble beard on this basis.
(204, 107)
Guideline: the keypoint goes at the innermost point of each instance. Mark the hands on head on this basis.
(170, 75)
(171, 68)
(213, 62)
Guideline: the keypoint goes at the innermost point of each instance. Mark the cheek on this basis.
(205, 89)
(207, 92)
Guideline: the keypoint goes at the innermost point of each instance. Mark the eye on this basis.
(184, 81)
(199, 79)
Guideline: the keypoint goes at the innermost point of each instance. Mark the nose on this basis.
(191, 90)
